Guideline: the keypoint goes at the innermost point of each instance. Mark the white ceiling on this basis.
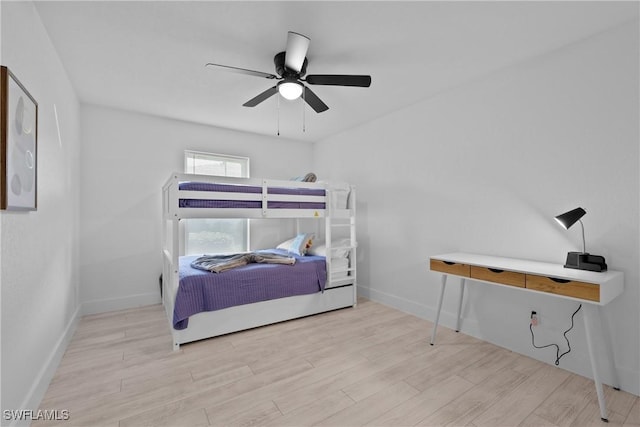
(149, 56)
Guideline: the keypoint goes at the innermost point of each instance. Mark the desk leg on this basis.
(609, 345)
(462, 282)
(588, 316)
(435, 325)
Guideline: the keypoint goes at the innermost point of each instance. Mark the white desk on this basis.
(589, 288)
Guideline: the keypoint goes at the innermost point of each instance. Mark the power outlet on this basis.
(534, 318)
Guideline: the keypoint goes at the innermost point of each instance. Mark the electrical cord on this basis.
(558, 355)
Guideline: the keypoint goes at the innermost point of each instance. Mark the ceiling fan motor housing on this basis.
(285, 72)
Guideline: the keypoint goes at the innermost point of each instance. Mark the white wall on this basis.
(39, 270)
(126, 158)
(484, 168)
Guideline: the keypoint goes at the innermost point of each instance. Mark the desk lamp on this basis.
(580, 260)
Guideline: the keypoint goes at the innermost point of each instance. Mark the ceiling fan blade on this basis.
(339, 80)
(313, 100)
(296, 51)
(244, 71)
(258, 99)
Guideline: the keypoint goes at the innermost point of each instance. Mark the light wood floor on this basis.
(370, 365)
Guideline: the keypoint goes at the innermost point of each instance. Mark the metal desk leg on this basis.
(462, 282)
(590, 312)
(609, 346)
(435, 325)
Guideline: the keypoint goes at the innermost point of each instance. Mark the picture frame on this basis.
(18, 145)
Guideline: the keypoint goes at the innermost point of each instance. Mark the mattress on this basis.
(201, 291)
(248, 189)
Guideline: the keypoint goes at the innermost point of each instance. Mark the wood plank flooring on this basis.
(370, 365)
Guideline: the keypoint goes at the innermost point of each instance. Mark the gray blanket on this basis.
(220, 263)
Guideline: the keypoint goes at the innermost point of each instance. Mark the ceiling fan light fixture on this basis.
(290, 89)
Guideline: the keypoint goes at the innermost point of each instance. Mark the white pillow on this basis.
(298, 245)
(321, 249)
(286, 244)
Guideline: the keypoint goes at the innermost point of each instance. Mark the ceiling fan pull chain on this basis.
(304, 129)
(278, 114)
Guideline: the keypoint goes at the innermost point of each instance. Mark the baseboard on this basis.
(629, 380)
(114, 304)
(41, 384)
(419, 310)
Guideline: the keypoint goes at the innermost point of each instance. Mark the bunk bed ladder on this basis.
(335, 219)
(354, 243)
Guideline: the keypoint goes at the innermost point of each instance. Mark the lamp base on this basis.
(585, 261)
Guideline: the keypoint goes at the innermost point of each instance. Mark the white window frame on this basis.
(222, 157)
(244, 173)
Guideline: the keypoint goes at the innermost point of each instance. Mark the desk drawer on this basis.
(498, 276)
(449, 267)
(570, 288)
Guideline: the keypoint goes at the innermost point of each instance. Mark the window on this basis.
(216, 164)
(207, 236)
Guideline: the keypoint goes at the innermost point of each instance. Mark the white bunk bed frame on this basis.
(339, 292)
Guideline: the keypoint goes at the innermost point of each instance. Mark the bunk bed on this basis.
(322, 280)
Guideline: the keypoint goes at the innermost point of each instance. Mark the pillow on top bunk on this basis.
(310, 177)
(321, 249)
(299, 245)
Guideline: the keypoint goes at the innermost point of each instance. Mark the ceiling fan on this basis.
(291, 67)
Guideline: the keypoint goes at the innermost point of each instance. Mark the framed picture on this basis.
(18, 145)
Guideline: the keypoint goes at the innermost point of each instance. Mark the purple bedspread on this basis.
(250, 204)
(204, 291)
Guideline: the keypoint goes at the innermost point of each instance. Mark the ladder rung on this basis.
(348, 270)
(341, 248)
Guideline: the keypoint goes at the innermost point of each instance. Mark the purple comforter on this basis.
(204, 291)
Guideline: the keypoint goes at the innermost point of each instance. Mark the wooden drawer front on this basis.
(450, 267)
(582, 290)
(498, 276)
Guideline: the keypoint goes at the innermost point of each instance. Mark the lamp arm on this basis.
(584, 246)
